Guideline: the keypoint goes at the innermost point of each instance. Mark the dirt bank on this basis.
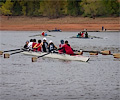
(65, 24)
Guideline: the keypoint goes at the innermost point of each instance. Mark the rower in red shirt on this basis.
(82, 35)
(43, 33)
(33, 44)
(38, 46)
(60, 45)
(67, 49)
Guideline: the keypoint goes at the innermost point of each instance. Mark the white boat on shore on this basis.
(58, 56)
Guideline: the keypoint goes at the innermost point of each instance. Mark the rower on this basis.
(82, 34)
(38, 46)
(86, 35)
(26, 44)
(33, 44)
(60, 45)
(43, 33)
(79, 34)
(44, 45)
(30, 44)
(67, 48)
(51, 46)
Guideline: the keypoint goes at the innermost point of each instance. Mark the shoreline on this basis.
(64, 24)
(45, 28)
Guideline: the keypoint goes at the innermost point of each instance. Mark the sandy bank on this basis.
(65, 24)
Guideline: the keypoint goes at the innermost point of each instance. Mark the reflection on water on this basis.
(54, 79)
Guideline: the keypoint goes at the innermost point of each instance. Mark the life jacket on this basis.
(43, 33)
(51, 47)
(44, 46)
(68, 49)
(61, 45)
(39, 47)
(33, 44)
(82, 35)
(62, 50)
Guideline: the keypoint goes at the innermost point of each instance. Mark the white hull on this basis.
(58, 56)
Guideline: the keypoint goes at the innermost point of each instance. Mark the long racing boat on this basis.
(58, 56)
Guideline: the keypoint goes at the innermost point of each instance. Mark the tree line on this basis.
(60, 8)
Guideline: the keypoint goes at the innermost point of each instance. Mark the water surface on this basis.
(54, 79)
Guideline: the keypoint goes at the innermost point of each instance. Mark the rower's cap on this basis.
(44, 39)
(62, 41)
(50, 41)
(27, 41)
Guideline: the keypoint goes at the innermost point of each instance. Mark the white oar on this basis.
(1, 52)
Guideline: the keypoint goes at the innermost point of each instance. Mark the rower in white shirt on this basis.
(30, 44)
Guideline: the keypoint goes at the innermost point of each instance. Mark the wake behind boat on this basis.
(58, 56)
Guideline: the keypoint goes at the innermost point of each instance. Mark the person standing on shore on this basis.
(102, 28)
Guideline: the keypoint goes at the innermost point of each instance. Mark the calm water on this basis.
(53, 79)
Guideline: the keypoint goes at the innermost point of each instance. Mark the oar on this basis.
(7, 55)
(79, 52)
(34, 59)
(95, 37)
(40, 35)
(35, 35)
(106, 52)
(1, 52)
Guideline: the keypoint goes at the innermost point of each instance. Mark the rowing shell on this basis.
(81, 37)
(58, 56)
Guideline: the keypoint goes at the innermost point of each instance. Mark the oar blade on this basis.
(1, 52)
(116, 55)
(107, 52)
(6, 55)
(34, 59)
(91, 53)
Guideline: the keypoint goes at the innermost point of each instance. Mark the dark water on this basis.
(53, 79)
